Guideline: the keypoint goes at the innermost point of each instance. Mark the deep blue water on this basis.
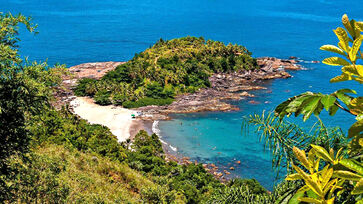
(73, 32)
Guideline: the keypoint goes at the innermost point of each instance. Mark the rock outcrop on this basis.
(224, 86)
(231, 86)
(94, 70)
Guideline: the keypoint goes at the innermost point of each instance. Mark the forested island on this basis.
(49, 154)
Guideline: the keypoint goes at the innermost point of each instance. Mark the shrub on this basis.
(102, 97)
(81, 88)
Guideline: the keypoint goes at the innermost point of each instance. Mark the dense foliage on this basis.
(331, 173)
(52, 156)
(168, 68)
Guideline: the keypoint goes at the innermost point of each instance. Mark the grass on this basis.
(91, 178)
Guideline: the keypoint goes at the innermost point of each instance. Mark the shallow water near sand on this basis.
(74, 32)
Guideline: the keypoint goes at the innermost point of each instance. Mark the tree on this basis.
(24, 90)
(326, 172)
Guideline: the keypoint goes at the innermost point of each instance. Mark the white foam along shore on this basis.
(155, 129)
(116, 118)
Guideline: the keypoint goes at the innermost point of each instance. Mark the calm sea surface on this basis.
(73, 32)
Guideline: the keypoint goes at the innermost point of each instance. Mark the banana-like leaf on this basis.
(355, 129)
(355, 48)
(336, 61)
(343, 38)
(358, 189)
(332, 48)
(352, 165)
(347, 175)
(322, 153)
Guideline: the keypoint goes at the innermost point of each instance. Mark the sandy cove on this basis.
(232, 86)
(116, 118)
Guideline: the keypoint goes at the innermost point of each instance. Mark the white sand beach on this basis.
(116, 118)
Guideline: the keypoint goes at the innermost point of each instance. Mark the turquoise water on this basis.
(74, 32)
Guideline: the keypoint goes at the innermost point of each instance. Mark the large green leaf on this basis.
(342, 95)
(335, 61)
(309, 106)
(332, 48)
(328, 101)
(333, 110)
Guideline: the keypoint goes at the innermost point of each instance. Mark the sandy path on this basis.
(116, 118)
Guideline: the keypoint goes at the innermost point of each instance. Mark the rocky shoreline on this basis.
(224, 87)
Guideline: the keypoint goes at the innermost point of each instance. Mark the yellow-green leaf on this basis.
(332, 48)
(354, 50)
(328, 101)
(359, 25)
(314, 186)
(343, 38)
(355, 129)
(358, 189)
(322, 153)
(347, 175)
(293, 177)
(336, 61)
(350, 69)
(301, 156)
(360, 70)
(343, 77)
(310, 200)
(326, 176)
(352, 165)
(347, 25)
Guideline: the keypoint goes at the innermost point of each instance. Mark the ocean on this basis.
(74, 32)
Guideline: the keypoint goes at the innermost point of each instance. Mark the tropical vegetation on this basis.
(331, 168)
(156, 75)
(50, 155)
